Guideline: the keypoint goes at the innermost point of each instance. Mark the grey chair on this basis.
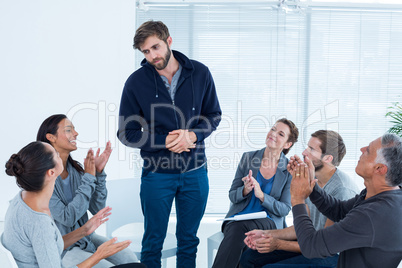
(6, 258)
(127, 220)
(213, 243)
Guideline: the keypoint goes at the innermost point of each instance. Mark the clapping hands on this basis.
(250, 183)
(96, 162)
(97, 220)
(296, 160)
(89, 163)
(303, 180)
(101, 160)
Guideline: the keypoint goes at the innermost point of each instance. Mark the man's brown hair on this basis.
(331, 144)
(150, 28)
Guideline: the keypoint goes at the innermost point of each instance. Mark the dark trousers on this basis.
(282, 259)
(232, 245)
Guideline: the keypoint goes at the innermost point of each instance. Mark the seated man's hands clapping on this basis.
(303, 179)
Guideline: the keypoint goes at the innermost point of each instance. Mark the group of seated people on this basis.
(335, 225)
(277, 244)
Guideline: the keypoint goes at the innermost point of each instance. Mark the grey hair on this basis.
(390, 154)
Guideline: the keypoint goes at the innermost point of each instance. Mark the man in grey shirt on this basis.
(367, 230)
(326, 149)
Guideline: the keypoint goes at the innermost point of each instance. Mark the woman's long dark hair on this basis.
(50, 125)
(29, 166)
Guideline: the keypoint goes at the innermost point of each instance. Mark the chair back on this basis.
(124, 199)
(9, 259)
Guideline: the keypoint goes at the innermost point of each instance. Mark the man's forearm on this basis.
(291, 246)
(288, 233)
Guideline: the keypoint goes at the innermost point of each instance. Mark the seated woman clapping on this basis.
(261, 183)
(77, 190)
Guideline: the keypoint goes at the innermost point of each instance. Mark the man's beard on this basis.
(165, 61)
(318, 165)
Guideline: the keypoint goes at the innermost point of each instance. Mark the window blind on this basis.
(321, 68)
(356, 70)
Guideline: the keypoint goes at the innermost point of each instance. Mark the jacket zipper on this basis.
(175, 115)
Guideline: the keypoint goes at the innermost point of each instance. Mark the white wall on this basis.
(69, 57)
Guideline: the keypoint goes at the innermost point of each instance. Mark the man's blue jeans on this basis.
(190, 191)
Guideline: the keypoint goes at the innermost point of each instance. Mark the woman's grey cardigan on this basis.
(90, 194)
